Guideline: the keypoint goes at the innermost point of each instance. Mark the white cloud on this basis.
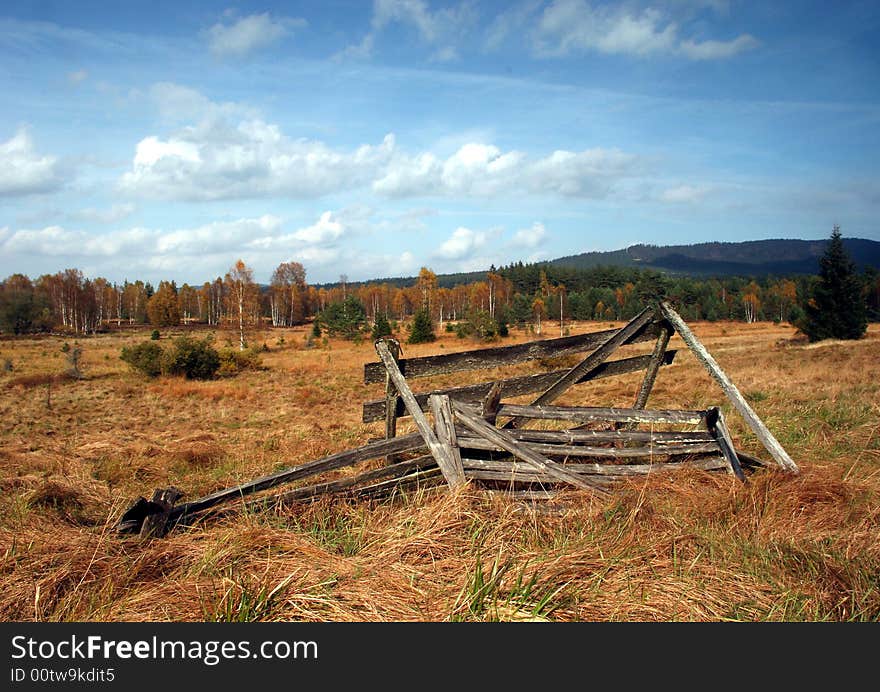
(214, 160)
(714, 50)
(217, 159)
(178, 103)
(482, 170)
(508, 22)
(442, 28)
(461, 243)
(249, 33)
(326, 229)
(569, 26)
(530, 237)
(23, 171)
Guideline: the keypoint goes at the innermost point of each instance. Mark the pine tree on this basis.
(422, 328)
(836, 309)
(381, 327)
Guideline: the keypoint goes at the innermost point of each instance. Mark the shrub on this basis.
(233, 361)
(145, 358)
(192, 358)
(154, 335)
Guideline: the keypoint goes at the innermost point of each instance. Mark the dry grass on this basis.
(692, 546)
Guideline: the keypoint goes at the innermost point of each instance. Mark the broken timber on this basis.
(466, 445)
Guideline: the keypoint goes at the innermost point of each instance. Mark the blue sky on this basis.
(165, 140)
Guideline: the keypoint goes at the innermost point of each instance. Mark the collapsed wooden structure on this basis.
(479, 439)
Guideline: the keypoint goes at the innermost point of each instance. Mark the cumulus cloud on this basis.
(23, 170)
(219, 159)
(484, 170)
(215, 160)
(530, 237)
(248, 34)
(570, 26)
(461, 243)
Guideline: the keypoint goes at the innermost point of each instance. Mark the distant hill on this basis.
(747, 258)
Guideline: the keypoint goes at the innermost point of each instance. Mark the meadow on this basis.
(687, 546)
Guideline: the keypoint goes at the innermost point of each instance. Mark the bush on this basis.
(233, 361)
(154, 335)
(194, 359)
(145, 358)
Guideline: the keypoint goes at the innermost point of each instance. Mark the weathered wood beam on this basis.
(514, 386)
(493, 434)
(588, 364)
(440, 452)
(601, 452)
(571, 437)
(398, 470)
(444, 424)
(612, 415)
(717, 427)
(736, 398)
(656, 360)
(391, 397)
(338, 460)
(506, 470)
(708, 464)
(501, 355)
(429, 477)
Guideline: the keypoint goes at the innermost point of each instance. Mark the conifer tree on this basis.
(836, 309)
(422, 328)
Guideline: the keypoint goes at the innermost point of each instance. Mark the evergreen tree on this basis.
(422, 328)
(836, 309)
(381, 327)
(345, 318)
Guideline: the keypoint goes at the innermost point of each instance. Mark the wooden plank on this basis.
(525, 494)
(588, 364)
(425, 476)
(482, 428)
(602, 452)
(583, 414)
(751, 418)
(717, 427)
(571, 437)
(391, 397)
(656, 360)
(439, 451)
(338, 460)
(502, 355)
(398, 470)
(444, 424)
(621, 470)
(515, 386)
(490, 403)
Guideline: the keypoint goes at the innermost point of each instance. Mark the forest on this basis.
(524, 294)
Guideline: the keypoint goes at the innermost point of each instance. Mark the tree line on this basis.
(538, 295)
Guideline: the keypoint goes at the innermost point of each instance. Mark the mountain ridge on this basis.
(716, 258)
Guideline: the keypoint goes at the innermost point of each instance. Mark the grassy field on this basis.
(695, 546)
